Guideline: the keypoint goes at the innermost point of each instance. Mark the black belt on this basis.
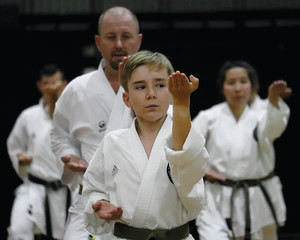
(245, 184)
(133, 233)
(53, 185)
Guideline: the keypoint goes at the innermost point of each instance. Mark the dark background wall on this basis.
(197, 41)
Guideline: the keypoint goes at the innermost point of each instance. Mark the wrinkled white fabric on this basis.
(121, 172)
(235, 153)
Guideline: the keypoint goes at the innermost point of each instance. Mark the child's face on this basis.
(148, 93)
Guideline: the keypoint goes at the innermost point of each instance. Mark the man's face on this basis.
(118, 38)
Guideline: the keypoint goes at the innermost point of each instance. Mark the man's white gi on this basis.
(235, 153)
(121, 172)
(31, 135)
(87, 109)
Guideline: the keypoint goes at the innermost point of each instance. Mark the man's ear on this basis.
(39, 86)
(126, 99)
(97, 42)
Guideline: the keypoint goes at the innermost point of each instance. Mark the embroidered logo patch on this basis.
(102, 125)
(90, 237)
(114, 170)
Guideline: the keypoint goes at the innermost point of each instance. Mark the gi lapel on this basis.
(149, 178)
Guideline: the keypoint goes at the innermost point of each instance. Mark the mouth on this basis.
(119, 54)
(152, 107)
(239, 98)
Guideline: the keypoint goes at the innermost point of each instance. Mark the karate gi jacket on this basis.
(31, 135)
(121, 172)
(258, 103)
(87, 109)
(236, 153)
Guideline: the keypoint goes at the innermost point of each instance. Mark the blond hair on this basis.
(148, 58)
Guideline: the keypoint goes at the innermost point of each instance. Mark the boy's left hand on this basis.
(181, 87)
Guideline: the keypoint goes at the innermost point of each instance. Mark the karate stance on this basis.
(41, 202)
(244, 198)
(146, 182)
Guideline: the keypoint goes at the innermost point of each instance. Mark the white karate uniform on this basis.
(268, 155)
(258, 103)
(235, 153)
(87, 109)
(121, 172)
(21, 227)
(31, 135)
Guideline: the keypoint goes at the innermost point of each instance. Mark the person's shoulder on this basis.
(215, 108)
(77, 87)
(81, 80)
(116, 137)
(211, 112)
(31, 109)
(118, 134)
(28, 112)
(259, 103)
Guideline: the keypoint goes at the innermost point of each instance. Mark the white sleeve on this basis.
(17, 143)
(273, 122)
(62, 143)
(93, 191)
(188, 168)
(201, 122)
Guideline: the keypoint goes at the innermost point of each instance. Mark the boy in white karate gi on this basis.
(146, 182)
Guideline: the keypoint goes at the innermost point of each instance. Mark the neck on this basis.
(147, 132)
(237, 111)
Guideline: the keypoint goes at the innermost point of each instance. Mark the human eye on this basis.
(245, 80)
(110, 37)
(126, 36)
(230, 82)
(45, 84)
(140, 87)
(160, 85)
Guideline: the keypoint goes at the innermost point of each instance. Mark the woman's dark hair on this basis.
(252, 74)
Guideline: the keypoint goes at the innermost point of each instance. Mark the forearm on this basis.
(274, 121)
(180, 87)
(181, 124)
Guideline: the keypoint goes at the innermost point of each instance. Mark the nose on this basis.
(151, 93)
(238, 86)
(119, 43)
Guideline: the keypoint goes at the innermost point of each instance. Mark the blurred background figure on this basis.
(244, 197)
(41, 201)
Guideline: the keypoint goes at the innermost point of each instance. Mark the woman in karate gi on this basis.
(146, 182)
(29, 149)
(244, 198)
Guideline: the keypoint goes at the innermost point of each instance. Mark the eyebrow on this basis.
(114, 33)
(156, 80)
